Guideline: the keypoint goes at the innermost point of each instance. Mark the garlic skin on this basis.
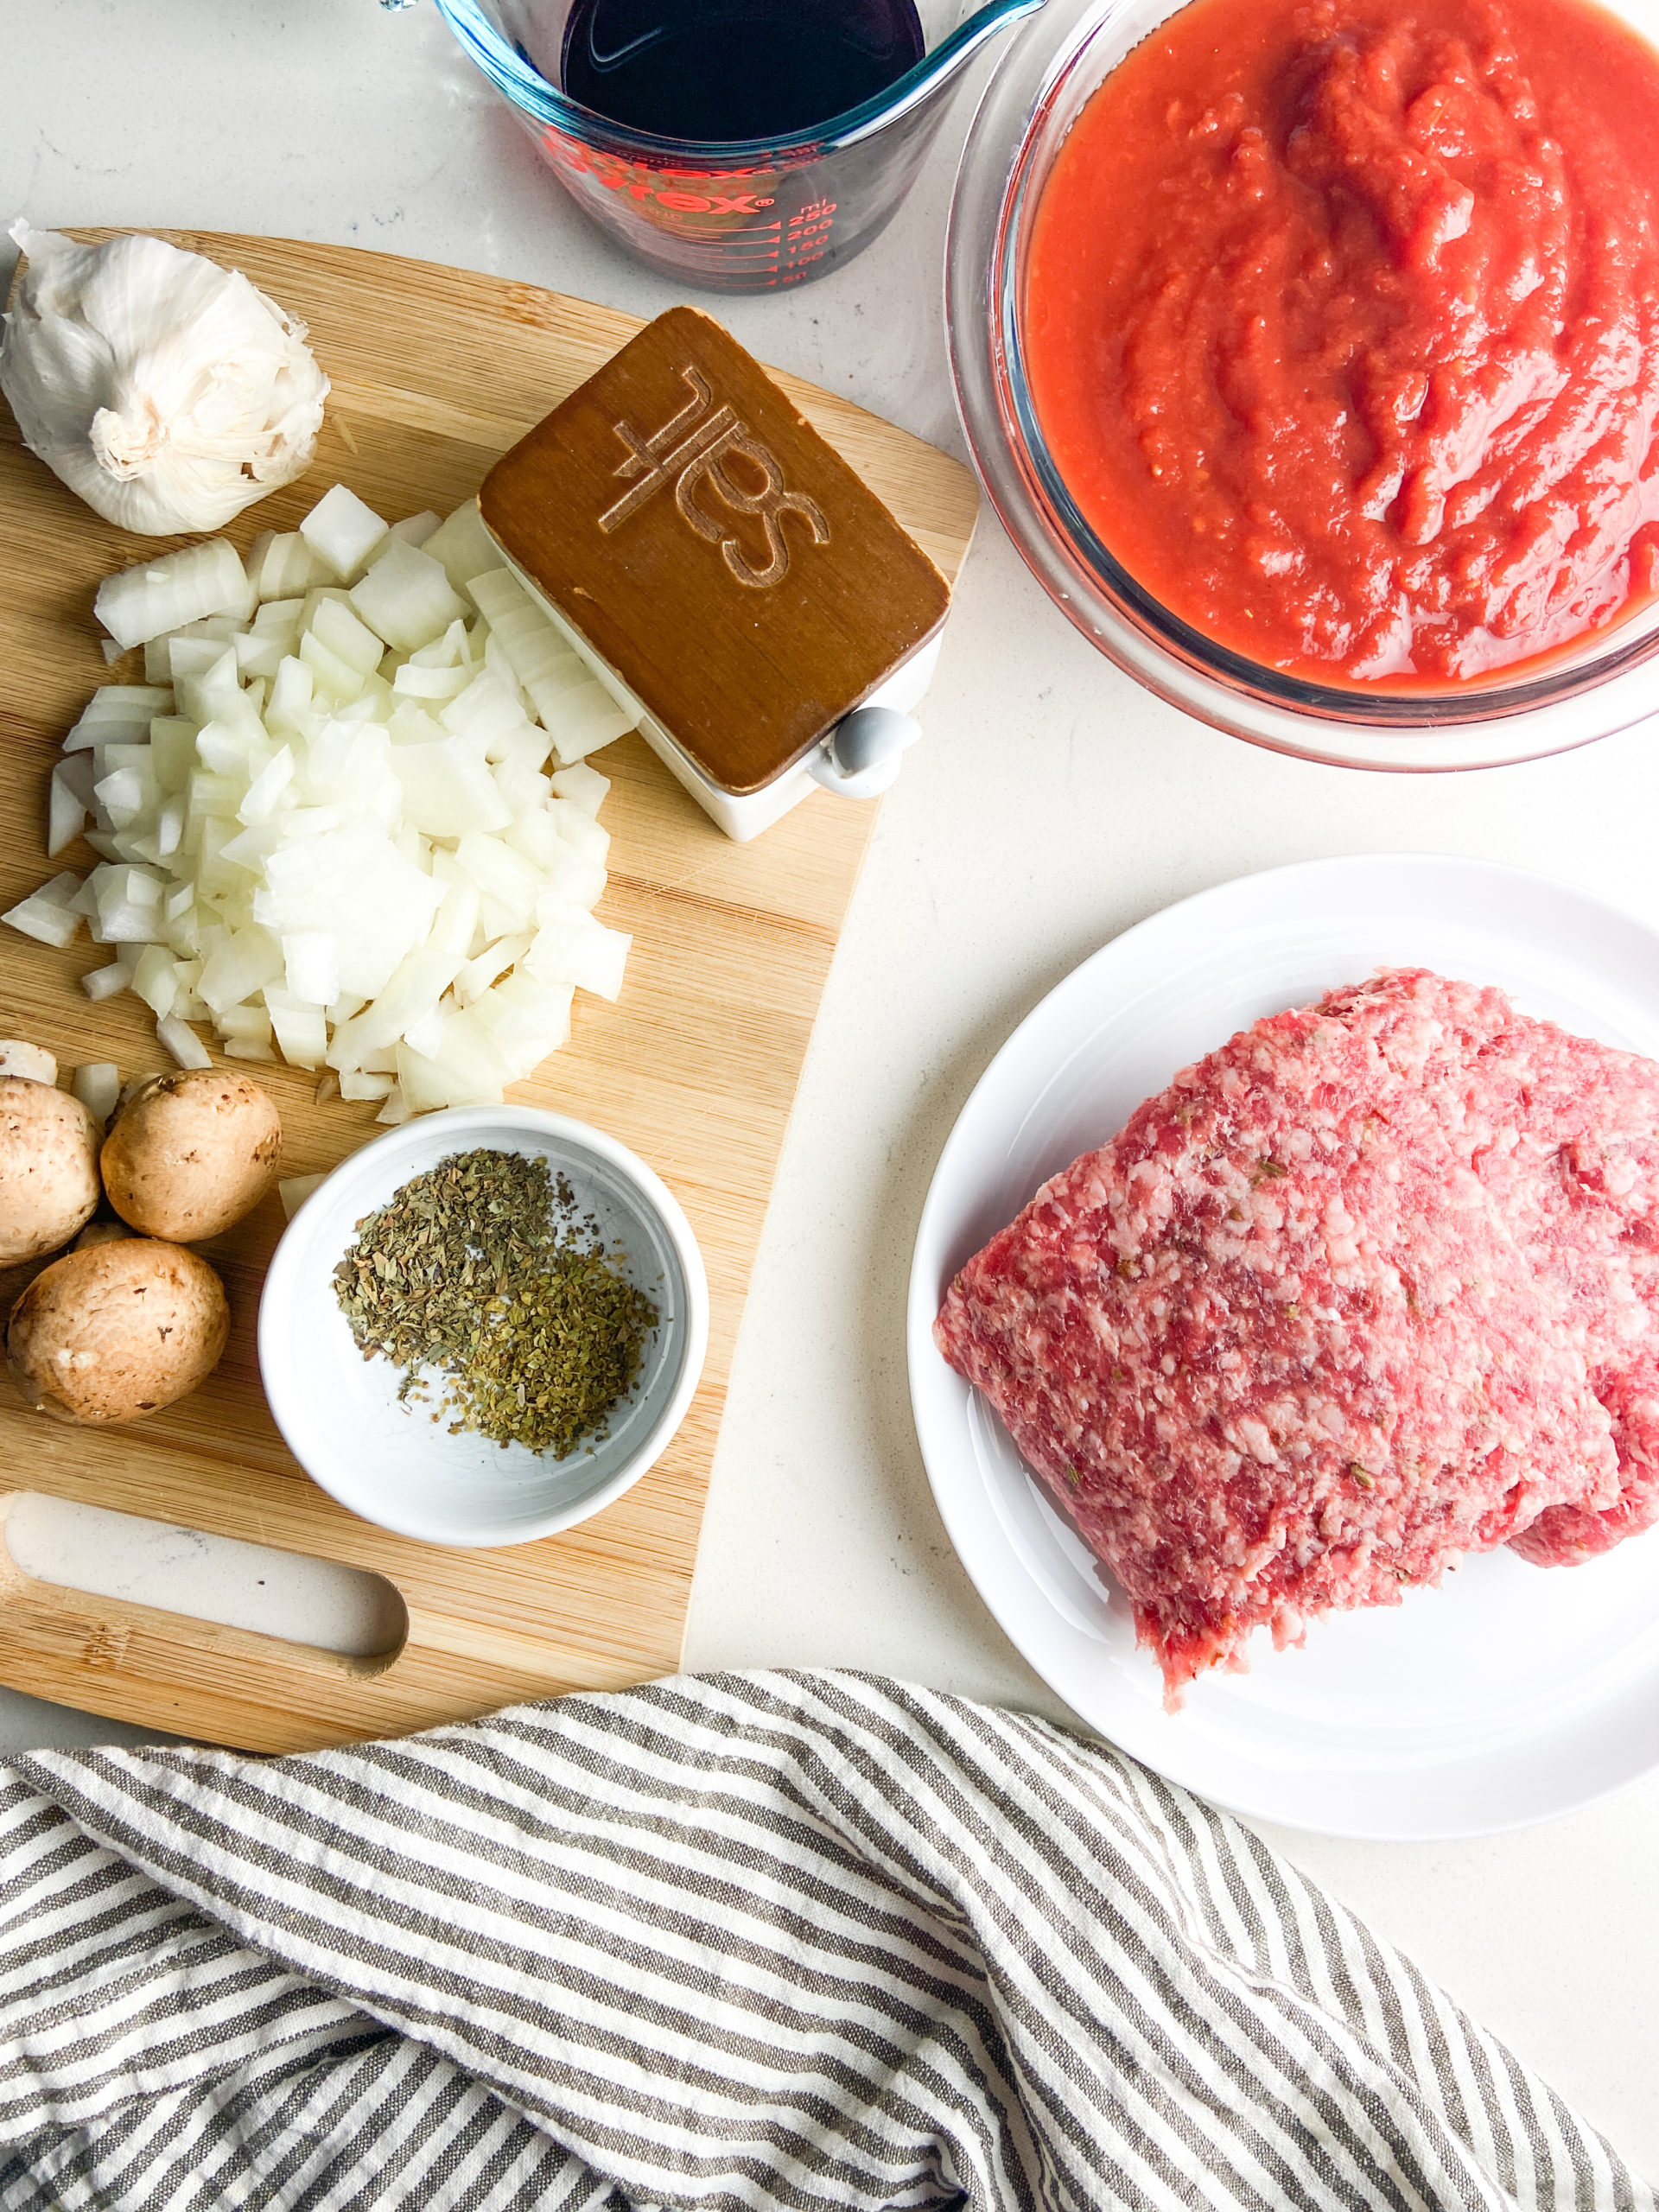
(168, 392)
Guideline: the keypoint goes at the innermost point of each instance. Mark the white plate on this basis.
(1512, 1693)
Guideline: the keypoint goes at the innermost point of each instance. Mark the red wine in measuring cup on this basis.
(702, 70)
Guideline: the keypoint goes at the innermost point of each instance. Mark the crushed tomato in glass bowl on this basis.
(1309, 350)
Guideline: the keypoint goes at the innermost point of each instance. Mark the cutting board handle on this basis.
(169, 1671)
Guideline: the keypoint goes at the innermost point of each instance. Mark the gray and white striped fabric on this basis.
(751, 1940)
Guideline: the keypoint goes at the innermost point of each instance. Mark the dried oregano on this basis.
(481, 1271)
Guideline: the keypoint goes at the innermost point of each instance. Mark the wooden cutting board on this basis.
(435, 372)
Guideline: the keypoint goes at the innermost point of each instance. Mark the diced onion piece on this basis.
(581, 951)
(126, 702)
(259, 656)
(142, 602)
(486, 711)
(65, 809)
(104, 983)
(457, 921)
(243, 964)
(155, 980)
(295, 1190)
(267, 788)
(448, 788)
(572, 880)
(583, 786)
(290, 695)
(97, 1083)
(279, 618)
(420, 982)
(342, 531)
(311, 962)
(413, 682)
(244, 1022)
(335, 625)
(47, 914)
(407, 598)
(125, 794)
(505, 877)
(581, 721)
(464, 546)
(119, 710)
(526, 791)
(329, 674)
(250, 1048)
(414, 529)
(33, 1062)
(452, 650)
(396, 1112)
(193, 657)
(182, 1042)
(466, 1070)
(356, 1086)
(576, 710)
(476, 977)
(172, 751)
(527, 1018)
(288, 567)
(301, 1029)
(578, 830)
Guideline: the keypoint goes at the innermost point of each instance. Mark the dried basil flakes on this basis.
(479, 1269)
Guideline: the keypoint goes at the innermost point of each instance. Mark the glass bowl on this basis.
(1601, 683)
(750, 215)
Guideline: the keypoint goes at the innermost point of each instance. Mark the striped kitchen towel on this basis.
(814, 1941)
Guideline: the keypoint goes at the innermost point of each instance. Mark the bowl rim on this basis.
(510, 69)
(1490, 725)
(283, 1286)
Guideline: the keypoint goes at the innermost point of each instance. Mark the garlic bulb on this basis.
(168, 392)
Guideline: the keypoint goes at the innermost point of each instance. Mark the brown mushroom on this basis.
(117, 1331)
(191, 1152)
(48, 1167)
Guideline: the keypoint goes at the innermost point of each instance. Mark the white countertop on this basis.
(1052, 804)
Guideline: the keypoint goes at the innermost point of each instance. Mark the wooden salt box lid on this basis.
(741, 579)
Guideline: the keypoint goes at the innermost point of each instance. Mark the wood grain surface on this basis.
(436, 373)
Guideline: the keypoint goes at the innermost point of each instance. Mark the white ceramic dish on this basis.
(391, 1463)
(1508, 1695)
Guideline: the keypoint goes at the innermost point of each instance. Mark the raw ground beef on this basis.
(1373, 1285)
(1565, 1134)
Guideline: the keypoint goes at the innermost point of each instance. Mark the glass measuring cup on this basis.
(750, 215)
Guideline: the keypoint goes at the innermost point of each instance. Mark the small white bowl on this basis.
(391, 1462)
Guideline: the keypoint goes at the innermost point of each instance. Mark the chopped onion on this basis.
(583, 952)
(407, 598)
(97, 1083)
(414, 529)
(583, 786)
(464, 546)
(68, 806)
(182, 1042)
(342, 531)
(333, 832)
(104, 983)
(47, 914)
(142, 602)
